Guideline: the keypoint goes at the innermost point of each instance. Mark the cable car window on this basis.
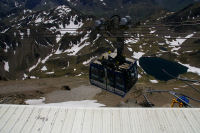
(94, 73)
(120, 82)
(132, 71)
(135, 71)
(111, 78)
(98, 74)
(101, 74)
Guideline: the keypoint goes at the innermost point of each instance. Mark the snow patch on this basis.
(46, 58)
(35, 101)
(154, 81)
(17, 4)
(49, 72)
(98, 35)
(34, 66)
(39, 61)
(63, 10)
(6, 66)
(188, 51)
(68, 64)
(58, 51)
(22, 35)
(6, 49)
(88, 61)
(4, 31)
(76, 48)
(131, 40)
(161, 44)
(137, 55)
(84, 103)
(44, 68)
(192, 69)
(109, 42)
(179, 41)
(152, 31)
(175, 44)
(65, 29)
(38, 20)
(79, 75)
(28, 32)
(25, 76)
(130, 49)
(176, 88)
(32, 77)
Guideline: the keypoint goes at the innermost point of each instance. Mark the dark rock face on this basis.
(65, 87)
(30, 4)
(191, 11)
(135, 8)
(160, 68)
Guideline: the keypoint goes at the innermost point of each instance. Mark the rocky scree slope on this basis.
(47, 48)
(136, 8)
(33, 36)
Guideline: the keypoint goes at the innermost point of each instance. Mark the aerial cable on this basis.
(141, 37)
(160, 91)
(143, 25)
(135, 32)
(168, 25)
(172, 93)
(148, 101)
(155, 37)
(139, 28)
(190, 98)
(184, 81)
(105, 32)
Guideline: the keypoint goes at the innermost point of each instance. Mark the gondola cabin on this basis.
(116, 79)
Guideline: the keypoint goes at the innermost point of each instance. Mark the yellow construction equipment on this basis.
(175, 101)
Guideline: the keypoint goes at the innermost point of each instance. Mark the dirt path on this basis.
(44, 85)
(53, 89)
(82, 92)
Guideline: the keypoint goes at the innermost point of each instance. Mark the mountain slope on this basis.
(60, 42)
(136, 8)
(32, 37)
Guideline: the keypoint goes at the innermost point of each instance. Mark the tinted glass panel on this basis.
(120, 82)
(97, 74)
(111, 78)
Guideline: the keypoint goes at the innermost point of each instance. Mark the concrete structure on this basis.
(46, 119)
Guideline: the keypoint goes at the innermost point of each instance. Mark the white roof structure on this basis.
(46, 119)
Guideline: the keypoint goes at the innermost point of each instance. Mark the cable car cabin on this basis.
(116, 80)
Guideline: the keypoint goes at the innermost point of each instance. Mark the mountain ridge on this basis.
(135, 8)
(39, 44)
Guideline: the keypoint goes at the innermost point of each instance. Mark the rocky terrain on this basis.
(33, 37)
(38, 43)
(135, 8)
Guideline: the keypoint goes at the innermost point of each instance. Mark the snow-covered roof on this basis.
(45, 119)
